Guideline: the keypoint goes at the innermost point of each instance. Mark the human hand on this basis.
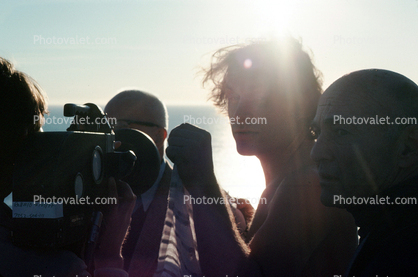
(116, 221)
(246, 209)
(190, 149)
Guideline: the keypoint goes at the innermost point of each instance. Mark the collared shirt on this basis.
(146, 198)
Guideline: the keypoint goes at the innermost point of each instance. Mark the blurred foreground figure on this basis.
(367, 155)
(22, 100)
(270, 91)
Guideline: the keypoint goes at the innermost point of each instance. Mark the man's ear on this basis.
(409, 147)
(161, 136)
(165, 133)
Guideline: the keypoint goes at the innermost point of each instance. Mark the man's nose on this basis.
(321, 150)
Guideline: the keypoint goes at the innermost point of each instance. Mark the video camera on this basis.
(69, 171)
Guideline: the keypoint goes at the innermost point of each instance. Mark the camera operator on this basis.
(143, 111)
(22, 99)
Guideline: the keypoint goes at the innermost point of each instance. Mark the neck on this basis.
(279, 163)
(161, 150)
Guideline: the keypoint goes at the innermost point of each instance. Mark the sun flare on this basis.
(274, 16)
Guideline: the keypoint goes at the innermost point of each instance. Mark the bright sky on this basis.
(87, 50)
(158, 45)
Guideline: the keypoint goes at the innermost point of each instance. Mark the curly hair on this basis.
(289, 66)
(22, 99)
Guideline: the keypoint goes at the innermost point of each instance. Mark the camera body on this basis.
(60, 180)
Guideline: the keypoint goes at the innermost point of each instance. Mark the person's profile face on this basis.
(258, 113)
(353, 159)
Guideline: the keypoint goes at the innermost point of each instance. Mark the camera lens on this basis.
(97, 164)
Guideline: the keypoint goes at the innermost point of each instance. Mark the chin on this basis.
(245, 150)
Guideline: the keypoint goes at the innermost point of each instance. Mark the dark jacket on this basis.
(389, 235)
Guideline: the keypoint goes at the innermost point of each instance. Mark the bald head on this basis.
(379, 89)
(136, 101)
(361, 149)
(140, 110)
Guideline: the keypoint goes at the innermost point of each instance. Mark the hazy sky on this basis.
(158, 45)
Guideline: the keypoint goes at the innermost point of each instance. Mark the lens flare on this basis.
(248, 63)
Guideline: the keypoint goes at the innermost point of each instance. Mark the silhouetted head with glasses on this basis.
(139, 110)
